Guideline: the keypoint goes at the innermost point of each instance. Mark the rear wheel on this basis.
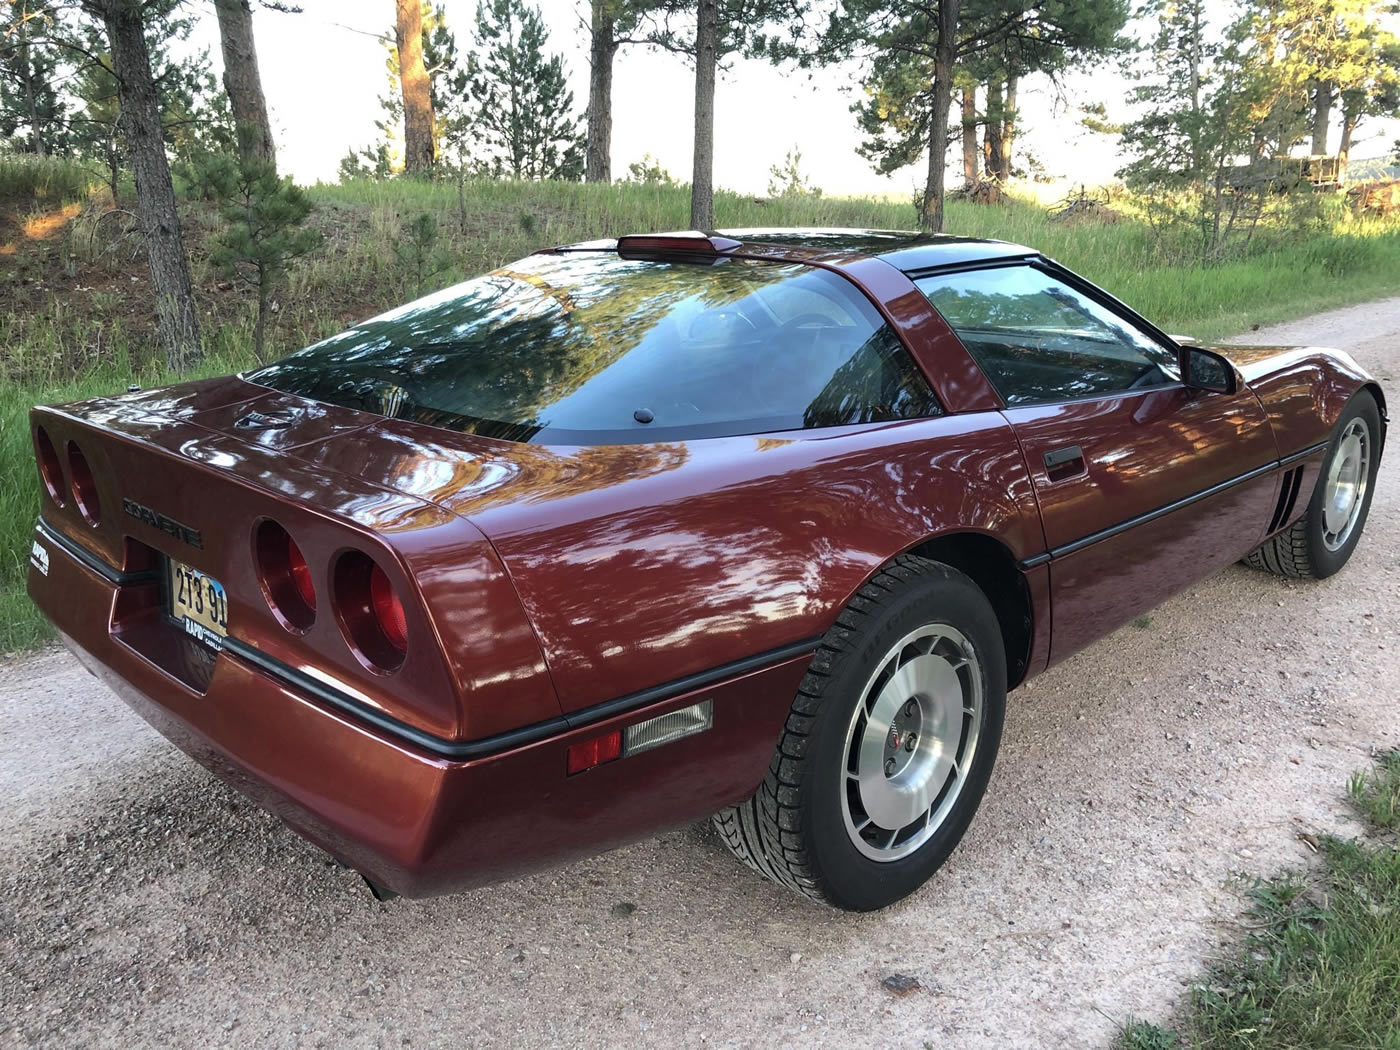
(1319, 543)
(888, 746)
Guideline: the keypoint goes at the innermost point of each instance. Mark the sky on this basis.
(323, 76)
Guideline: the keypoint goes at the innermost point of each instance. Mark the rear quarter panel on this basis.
(642, 564)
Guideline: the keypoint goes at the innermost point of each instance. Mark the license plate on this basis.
(199, 604)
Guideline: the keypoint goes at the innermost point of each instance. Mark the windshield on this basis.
(591, 348)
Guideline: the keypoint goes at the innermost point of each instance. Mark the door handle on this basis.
(1065, 463)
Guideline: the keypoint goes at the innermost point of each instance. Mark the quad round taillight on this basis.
(286, 579)
(370, 611)
(50, 469)
(84, 486)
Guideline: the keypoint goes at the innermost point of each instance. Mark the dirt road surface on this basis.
(143, 903)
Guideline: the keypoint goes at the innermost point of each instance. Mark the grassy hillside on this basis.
(76, 310)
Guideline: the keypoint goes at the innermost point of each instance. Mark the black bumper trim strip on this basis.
(92, 561)
(490, 745)
(342, 700)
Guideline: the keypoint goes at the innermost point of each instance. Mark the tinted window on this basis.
(588, 347)
(1038, 339)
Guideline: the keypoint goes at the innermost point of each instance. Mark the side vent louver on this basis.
(1287, 497)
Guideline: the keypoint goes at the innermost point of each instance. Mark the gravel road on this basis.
(142, 903)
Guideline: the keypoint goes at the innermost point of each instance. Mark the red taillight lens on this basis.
(286, 579)
(370, 611)
(300, 573)
(388, 610)
(50, 469)
(590, 753)
(84, 486)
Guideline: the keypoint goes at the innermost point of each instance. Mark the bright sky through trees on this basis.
(323, 83)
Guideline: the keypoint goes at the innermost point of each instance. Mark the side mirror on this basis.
(1203, 369)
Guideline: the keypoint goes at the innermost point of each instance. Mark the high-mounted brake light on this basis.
(688, 242)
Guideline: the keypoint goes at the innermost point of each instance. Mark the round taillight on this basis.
(286, 579)
(50, 469)
(370, 611)
(388, 610)
(84, 486)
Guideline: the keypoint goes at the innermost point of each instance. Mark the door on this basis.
(1144, 486)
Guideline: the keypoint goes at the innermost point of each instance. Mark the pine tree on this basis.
(913, 52)
(520, 121)
(612, 24)
(32, 112)
(715, 30)
(264, 217)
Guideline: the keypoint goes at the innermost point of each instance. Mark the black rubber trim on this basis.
(1311, 450)
(516, 737)
(1152, 515)
(92, 561)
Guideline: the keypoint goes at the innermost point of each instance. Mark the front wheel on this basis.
(1319, 543)
(888, 747)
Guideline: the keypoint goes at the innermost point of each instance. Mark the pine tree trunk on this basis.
(31, 101)
(931, 214)
(969, 134)
(1322, 115)
(1008, 129)
(155, 196)
(242, 81)
(702, 190)
(1349, 121)
(991, 136)
(418, 147)
(602, 51)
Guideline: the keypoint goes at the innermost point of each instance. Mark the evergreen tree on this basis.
(32, 112)
(912, 52)
(612, 24)
(720, 29)
(520, 119)
(264, 217)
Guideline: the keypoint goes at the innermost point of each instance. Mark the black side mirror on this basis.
(1203, 369)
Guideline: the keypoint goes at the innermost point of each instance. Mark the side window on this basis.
(1038, 340)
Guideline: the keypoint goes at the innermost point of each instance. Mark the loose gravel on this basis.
(142, 903)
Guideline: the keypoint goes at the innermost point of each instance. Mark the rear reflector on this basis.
(665, 729)
(595, 752)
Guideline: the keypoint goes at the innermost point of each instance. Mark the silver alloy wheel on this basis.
(911, 742)
(1344, 492)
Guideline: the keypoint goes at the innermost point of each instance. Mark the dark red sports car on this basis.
(762, 524)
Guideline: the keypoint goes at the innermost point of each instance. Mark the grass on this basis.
(76, 310)
(1320, 967)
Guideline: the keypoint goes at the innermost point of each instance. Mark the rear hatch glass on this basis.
(591, 348)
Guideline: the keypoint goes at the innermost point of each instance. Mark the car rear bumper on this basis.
(413, 821)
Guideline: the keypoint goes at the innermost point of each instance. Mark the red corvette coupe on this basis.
(763, 524)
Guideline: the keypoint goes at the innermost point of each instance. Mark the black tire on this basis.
(793, 830)
(1300, 551)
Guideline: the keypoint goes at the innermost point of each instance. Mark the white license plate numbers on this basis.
(199, 604)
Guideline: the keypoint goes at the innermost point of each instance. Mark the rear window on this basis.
(591, 348)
